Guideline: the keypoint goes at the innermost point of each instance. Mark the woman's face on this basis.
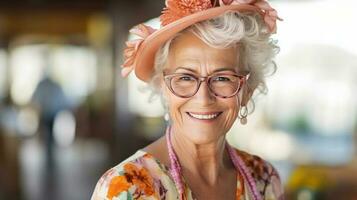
(189, 54)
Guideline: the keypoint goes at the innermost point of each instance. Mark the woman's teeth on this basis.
(211, 116)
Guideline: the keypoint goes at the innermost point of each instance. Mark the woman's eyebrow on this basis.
(214, 71)
(185, 68)
(225, 69)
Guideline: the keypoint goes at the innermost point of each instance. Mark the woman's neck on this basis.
(206, 161)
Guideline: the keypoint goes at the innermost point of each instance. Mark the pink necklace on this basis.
(175, 168)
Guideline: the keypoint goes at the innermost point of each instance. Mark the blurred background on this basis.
(66, 115)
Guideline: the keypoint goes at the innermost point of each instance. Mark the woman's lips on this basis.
(204, 116)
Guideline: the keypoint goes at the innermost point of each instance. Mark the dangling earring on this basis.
(166, 111)
(242, 115)
(167, 119)
(167, 116)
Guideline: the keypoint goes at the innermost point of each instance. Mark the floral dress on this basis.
(141, 176)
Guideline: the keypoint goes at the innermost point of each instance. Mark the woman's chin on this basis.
(203, 135)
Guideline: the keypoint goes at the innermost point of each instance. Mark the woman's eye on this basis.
(186, 78)
(221, 78)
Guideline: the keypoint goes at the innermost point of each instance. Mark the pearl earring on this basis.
(167, 117)
(243, 112)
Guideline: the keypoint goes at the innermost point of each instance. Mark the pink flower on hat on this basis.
(176, 9)
(270, 15)
(132, 46)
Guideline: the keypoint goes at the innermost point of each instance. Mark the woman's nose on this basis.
(204, 95)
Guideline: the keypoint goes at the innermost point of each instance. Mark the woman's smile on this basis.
(207, 117)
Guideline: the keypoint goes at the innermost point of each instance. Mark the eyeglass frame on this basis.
(200, 79)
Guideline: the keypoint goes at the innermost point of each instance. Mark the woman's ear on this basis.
(247, 93)
(163, 87)
(156, 82)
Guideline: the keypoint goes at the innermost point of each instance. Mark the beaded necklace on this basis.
(175, 169)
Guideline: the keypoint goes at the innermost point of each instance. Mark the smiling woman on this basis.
(205, 62)
(203, 116)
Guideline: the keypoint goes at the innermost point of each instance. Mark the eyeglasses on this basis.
(223, 85)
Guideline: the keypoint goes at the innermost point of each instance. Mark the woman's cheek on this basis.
(232, 113)
(175, 105)
(231, 118)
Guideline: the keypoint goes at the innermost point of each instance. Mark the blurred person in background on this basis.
(49, 99)
(205, 62)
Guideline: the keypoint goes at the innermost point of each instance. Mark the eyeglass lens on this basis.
(222, 84)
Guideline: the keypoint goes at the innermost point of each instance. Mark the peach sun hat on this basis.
(139, 54)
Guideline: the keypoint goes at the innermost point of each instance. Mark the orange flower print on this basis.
(140, 178)
(147, 156)
(117, 185)
(240, 188)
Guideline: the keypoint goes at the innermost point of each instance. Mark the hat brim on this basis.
(144, 61)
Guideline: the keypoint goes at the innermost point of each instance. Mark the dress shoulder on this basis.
(131, 179)
(265, 175)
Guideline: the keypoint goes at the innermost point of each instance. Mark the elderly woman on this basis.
(205, 61)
